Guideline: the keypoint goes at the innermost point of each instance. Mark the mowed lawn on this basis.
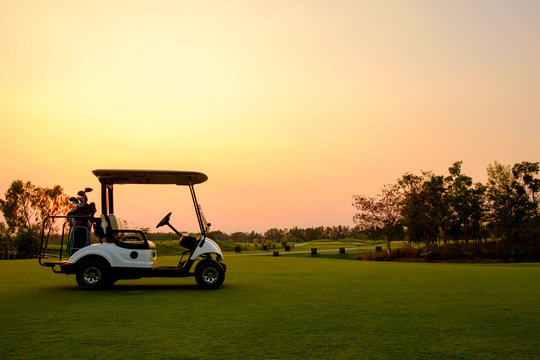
(278, 307)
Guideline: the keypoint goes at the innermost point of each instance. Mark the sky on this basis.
(290, 107)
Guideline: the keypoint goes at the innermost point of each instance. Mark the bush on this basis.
(406, 252)
(460, 251)
(373, 256)
(27, 243)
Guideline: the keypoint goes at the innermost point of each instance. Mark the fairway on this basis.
(278, 307)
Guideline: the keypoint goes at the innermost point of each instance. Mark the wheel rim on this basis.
(91, 275)
(210, 275)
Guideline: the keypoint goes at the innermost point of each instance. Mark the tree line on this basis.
(426, 209)
(24, 208)
(272, 238)
(295, 234)
(434, 209)
(26, 205)
(274, 235)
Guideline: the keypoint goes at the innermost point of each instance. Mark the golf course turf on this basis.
(285, 307)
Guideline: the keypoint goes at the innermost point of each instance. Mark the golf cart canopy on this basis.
(113, 176)
(110, 177)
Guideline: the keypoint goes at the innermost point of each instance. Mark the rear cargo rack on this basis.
(55, 260)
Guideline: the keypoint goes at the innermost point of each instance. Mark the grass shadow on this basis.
(119, 288)
(140, 287)
(126, 287)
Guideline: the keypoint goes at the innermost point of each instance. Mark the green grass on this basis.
(278, 307)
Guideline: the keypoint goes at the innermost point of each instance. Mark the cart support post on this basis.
(197, 210)
(110, 198)
(103, 198)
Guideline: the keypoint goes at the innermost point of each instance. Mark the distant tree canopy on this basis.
(379, 213)
(433, 208)
(425, 208)
(26, 205)
(295, 234)
(24, 208)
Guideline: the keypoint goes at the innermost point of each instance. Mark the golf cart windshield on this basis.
(110, 177)
(206, 224)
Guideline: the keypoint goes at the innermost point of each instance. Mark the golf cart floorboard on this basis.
(169, 271)
(54, 263)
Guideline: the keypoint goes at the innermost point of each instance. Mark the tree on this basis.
(145, 229)
(24, 208)
(466, 203)
(274, 234)
(295, 235)
(6, 242)
(526, 181)
(512, 197)
(478, 211)
(51, 201)
(314, 233)
(459, 191)
(218, 235)
(19, 207)
(381, 212)
(26, 242)
(425, 208)
(240, 237)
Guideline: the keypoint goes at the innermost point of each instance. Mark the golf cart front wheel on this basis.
(209, 274)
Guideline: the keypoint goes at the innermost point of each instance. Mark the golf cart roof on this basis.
(115, 176)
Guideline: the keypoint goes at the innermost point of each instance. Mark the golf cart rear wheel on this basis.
(93, 275)
(209, 274)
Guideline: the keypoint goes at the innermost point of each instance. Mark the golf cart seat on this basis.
(126, 238)
(116, 223)
(188, 242)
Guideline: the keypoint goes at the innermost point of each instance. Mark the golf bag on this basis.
(79, 223)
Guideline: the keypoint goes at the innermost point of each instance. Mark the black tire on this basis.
(93, 275)
(209, 274)
(111, 281)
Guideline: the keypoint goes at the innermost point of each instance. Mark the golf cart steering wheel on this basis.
(165, 220)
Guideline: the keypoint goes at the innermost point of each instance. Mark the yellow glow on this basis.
(290, 108)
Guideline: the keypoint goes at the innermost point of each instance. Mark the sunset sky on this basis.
(290, 107)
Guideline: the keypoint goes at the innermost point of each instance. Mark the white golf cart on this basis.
(120, 253)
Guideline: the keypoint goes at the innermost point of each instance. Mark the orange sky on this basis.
(289, 107)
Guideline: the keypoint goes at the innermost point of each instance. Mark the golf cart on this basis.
(115, 252)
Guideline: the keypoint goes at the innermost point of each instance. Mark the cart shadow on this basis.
(140, 287)
(131, 288)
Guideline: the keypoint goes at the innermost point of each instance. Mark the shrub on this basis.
(407, 252)
(527, 250)
(27, 243)
(373, 256)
